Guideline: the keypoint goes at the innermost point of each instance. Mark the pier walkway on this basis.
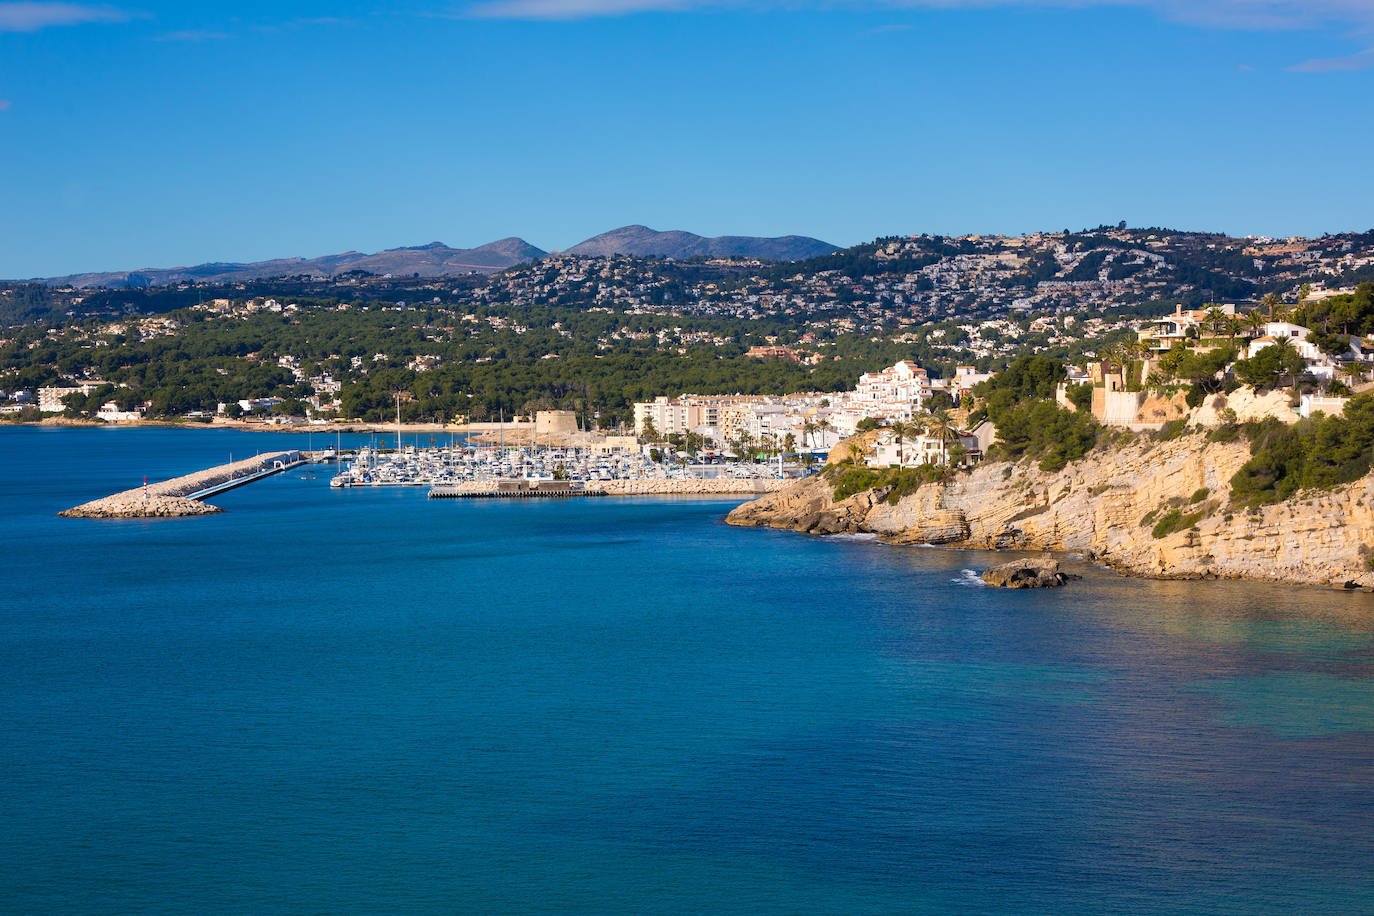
(183, 496)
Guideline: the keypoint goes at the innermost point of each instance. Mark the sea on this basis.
(363, 701)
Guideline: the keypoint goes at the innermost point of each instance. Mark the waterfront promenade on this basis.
(183, 496)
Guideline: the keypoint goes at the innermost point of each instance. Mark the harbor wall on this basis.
(726, 486)
(168, 498)
(721, 487)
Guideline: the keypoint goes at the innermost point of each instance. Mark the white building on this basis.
(1319, 363)
(110, 413)
(813, 419)
(924, 449)
(895, 393)
(50, 398)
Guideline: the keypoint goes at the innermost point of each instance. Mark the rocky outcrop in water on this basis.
(1107, 507)
(1027, 573)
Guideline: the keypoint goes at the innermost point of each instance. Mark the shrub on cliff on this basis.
(1020, 402)
(1028, 378)
(1042, 429)
(848, 480)
(1080, 396)
(1174, 520)
(1318, 453)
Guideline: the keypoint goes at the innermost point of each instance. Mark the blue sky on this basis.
(156, 134)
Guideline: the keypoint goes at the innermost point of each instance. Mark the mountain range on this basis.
(643, 242)
(438, 260)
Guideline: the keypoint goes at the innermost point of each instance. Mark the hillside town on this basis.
(950, 309)
(1140, 387)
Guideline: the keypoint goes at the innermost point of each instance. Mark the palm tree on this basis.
(1214, 319)
(901, 431)
(823, 426)
(1233, 327)
(789, 443)
(1114, 356)
(942, 430)
(1270, 301)
(1156, 383)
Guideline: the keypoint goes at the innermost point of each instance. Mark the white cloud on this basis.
(30, 17)
(1251, 14)
(1362, 60)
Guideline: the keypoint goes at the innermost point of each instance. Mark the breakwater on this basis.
(181, 496)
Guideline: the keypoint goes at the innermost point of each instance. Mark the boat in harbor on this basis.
(450, 466)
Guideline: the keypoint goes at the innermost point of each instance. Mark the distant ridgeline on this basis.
(595, 332)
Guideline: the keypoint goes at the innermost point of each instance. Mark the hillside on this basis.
(433, 260)
(438, 260)
(643, 242)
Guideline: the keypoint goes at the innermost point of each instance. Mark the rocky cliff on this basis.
(1107, 507)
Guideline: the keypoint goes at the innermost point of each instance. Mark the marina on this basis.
(579, 471)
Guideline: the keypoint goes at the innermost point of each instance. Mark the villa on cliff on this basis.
(929, 448)
(1120, 395)
(1160, 335)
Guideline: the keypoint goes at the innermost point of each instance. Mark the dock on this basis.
(185, 496)
(468, 491)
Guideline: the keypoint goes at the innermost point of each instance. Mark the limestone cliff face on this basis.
(1105, 506)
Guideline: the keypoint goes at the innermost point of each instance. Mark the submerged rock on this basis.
(1028, 573)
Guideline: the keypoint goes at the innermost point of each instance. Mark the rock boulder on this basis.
(1028, 573)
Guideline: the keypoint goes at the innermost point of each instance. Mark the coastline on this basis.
(250, 426)
(519, 431)
(1106, 509)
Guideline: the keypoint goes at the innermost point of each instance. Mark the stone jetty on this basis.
(173, 498)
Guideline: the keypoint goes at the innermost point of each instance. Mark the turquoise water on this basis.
(364, 701)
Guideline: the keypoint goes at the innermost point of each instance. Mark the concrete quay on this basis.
(726, 486)
(720, 486)
(485, 491)
(181, 496)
